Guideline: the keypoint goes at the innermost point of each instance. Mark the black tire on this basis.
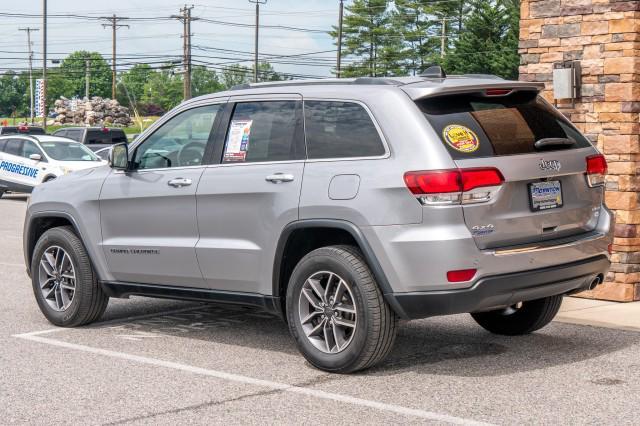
(89, 301)
(376, 323)
(531, 316)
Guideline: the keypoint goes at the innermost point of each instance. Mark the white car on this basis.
(28, 160)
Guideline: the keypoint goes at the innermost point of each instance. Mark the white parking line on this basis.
(428, 415)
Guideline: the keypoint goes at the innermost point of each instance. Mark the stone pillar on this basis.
(604, 36)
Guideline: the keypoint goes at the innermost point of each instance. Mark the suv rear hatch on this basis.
(540, 155)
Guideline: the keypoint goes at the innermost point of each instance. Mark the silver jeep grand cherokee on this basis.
(340, 205)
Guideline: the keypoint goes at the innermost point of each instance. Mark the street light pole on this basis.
(255, 65)
(87, 77)
(30, 45)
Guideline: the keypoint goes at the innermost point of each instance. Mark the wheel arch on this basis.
(292, 246)
(38, 224)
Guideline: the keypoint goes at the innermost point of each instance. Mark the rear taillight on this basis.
(454, 186)
(596, 170)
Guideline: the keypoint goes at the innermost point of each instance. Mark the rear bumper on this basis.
(494, 292)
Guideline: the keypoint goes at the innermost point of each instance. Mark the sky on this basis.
(231, 44)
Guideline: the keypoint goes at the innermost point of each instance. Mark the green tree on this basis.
(235, 74)
(267, 73)
(420, 24)
(489, 41)
(370, 48)
(164, 88)
(132, 82)
(14, 94)
(204, 81)
(69, 78)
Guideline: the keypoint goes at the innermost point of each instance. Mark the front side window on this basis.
(180, 142)
(340, 130)
(68, 151)
(29, 148)
(265, 131)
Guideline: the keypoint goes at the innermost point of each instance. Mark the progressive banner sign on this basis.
(39, 95)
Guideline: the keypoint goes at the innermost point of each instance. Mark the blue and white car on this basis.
(28, 160)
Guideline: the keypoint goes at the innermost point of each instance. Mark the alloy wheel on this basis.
(57, 278)
(327, 311)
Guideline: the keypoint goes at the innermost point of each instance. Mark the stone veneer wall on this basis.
(604, 36)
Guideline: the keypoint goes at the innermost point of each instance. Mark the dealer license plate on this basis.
(545, 195)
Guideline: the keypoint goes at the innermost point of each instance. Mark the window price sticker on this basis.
(238, 140)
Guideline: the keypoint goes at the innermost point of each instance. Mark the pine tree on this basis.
(368, 46)
(489, 40)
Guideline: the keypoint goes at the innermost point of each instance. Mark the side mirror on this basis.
(35, 157)
(119, 156)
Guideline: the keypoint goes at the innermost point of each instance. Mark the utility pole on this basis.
(186, 18)
(30, 45)
(114, 27)
(255, 64)
(443, 37)
(87, 77)
(339, 58)
(44, 64)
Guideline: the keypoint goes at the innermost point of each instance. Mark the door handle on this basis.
(279, 178)
(179, 182)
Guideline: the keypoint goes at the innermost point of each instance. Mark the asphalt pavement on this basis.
(154, 361)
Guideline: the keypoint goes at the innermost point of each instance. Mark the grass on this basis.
(131, 130)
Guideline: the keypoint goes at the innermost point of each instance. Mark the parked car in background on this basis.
(94, 138)
(24, 130)
(27, 160)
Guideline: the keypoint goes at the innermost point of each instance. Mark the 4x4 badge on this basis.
(550, 165)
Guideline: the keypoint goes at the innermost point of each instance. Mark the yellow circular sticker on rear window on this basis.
(461, 138)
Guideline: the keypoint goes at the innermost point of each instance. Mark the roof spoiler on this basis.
(416, 92)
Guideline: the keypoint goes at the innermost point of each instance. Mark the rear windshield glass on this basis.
(472, 126)
(105, 136)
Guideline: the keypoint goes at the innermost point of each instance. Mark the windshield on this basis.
(68, 151)
(474, 126)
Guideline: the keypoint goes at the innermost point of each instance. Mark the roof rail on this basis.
(386, 81)
(377, 80)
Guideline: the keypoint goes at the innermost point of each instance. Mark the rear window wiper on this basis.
(554, 142)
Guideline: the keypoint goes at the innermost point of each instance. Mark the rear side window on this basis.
(118, 136)
(473, 126)
(76, 135)
(98, 137)
(340, 130)
(14, 147)
(265, 131)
